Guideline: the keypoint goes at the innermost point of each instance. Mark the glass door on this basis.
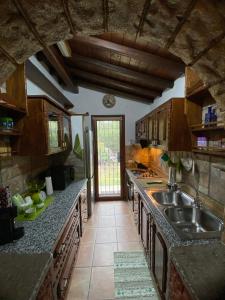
(109, 157)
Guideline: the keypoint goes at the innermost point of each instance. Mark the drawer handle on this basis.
(62, 248)
(64, 284)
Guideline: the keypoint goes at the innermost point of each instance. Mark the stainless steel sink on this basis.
(194, 223)
(173, 198)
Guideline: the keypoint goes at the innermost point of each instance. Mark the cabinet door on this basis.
(144, 220)
(46, 291)
(142, 129)
(66, 133)
(160, 261)
(192, 82)
(162, 127)
(177, 289)
(151, 129)
(54, 132)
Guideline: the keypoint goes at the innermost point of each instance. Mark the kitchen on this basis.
(174, 123)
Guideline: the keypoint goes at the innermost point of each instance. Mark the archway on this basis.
(194, 30)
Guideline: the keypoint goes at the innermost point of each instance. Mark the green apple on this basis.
(36, 198)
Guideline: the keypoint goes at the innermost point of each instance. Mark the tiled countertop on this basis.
(42, 233)
(21, 275)
(202, 269)
(25, 262)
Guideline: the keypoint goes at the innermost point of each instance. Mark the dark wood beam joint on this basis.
(105, 6)
(68, 16)
(212, 44)
(182, 20)
(99, 87)
(155, 61)
(144, 13)
(128, 75)
(48, 52)
(9, 57)
(113, 83)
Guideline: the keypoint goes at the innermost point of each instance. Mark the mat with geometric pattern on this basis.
(132, 277)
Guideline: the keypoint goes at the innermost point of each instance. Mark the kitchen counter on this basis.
(25, 262)
(41, 234)
(202, 269)
(200, 263)
(21, 275)
(172, 239)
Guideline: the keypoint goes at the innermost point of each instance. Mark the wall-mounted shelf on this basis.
(10, 132)
(13, 104)
(215, 152)
(207, 127)
(10, 107)
(207, 138)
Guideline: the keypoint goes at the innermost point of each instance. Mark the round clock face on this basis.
(109, 101)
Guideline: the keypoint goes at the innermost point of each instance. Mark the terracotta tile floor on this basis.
(111, 228)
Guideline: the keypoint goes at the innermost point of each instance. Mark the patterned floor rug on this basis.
(132, 278)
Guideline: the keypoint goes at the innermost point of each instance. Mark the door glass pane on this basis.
(108, 142)
(53, 128)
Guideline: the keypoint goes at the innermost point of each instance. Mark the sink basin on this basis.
(194, 223)
(171, 198)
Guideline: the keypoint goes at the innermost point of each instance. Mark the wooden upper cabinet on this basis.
(47, 128)
(168, 126)
(162, 118)
(193, 84)
(142, 129)
(16, 89)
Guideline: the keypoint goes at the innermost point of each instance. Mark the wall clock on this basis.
(109, 101)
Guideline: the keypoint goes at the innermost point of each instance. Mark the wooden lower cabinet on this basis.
(159, 261)
(55, 285)
(154, 247)
(46, 290)
(177, 288)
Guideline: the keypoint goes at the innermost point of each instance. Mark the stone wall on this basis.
(16, 170)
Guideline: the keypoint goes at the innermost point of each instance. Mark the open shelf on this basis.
(10, 132)
(209, 128)
(11, 107)
(215, 151)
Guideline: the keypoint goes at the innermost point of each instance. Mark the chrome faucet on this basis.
(172, 179)
(196, 176)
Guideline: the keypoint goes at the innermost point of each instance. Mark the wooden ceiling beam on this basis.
(50, 54)
(112, 83)
(181, 23)
(98, 87)
(158, 65)
(57, 63)
(128, 75)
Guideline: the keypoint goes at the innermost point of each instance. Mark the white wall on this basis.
(177, 91)
(91, 101)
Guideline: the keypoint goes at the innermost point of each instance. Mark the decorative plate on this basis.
(109, 101)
